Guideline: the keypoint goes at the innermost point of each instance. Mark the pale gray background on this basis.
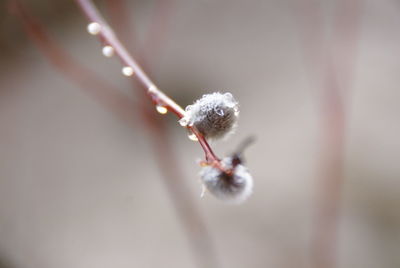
(79, 188)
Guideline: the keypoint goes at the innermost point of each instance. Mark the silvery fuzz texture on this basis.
(234, 188)
(214, 115)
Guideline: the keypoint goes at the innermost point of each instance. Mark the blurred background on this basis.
(317, 83)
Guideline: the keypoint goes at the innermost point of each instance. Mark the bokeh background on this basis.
(317, 83)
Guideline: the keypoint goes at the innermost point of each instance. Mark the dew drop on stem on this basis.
(192, 136)
(161, 109)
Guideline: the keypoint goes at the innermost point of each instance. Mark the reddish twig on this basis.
(107, 36)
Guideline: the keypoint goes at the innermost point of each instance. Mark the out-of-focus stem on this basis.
(108, 96)
(332, 69)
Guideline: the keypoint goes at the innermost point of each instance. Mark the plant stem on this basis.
(108, 37)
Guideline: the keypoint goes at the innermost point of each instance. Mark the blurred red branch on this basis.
(155, 34)
(114, 100)
(118, 13)
(334, 67)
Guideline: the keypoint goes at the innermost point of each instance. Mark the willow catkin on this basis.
(235, 187)
(214, 115)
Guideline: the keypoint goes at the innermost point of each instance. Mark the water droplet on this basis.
(192, 136)
(203, 191)
(183, 122)
(228, 95)
(161, 109)
(108, 51)
(152, 89)
(127, 71)
(236, 111)
(94, 28)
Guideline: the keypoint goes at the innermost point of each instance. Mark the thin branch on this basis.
(107, 36)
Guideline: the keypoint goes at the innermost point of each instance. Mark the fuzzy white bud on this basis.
(234, 188)
(214, 115)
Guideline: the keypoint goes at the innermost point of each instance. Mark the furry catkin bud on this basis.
(235, 188)
(214, 115)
